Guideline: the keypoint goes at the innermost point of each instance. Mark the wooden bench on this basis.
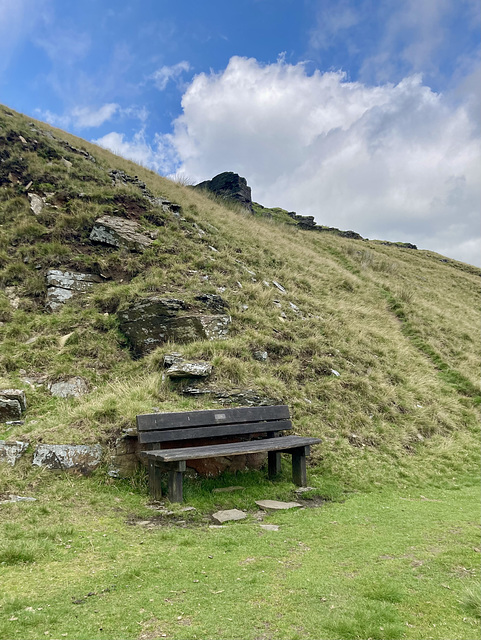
(242, 430)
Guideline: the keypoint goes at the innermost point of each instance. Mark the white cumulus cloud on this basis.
(157, 155)
(392, 161)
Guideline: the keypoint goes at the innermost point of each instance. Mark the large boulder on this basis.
(119, 232)
(231, 186)
(153, 321)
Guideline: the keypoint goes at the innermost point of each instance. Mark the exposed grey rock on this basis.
(37, 203)
(242, 397)
(119, 232)
(276, 505)
(279, 286)
(228, 514)
(80, 457)
(71, 388)
(335, 373)
(261, 356)
(11, 452)
(13, 498)
(74, 280)
(304, 222)
(13, 297)
(9, 409)
(301, 490)
(172, 358)
(66, 162)
(153, 321)
(269, 527)
(63, 285)
(213, 302)
(15, 394)
(231, 186)
(119, 178)
(403, 245)
(183, 369)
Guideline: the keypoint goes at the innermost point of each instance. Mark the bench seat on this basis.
(172, 430)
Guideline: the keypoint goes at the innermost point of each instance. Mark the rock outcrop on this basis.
(231, 186)
(12, 404)
(63, 285)
(153, 321)
(11, 452)
(119, 232)
(71, 388)
(37, 203)
(182, 369)
(79, 457)
(120, 178)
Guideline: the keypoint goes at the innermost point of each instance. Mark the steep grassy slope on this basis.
(401, 327)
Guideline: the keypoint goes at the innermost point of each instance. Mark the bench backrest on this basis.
(194, 425)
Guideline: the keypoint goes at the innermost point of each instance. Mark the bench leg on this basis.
(273, 463)
(176, 471)
(154, 480)
(299, 475)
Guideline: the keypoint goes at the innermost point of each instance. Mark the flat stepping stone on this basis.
(276, 505)
(229, 514)
(270, 527)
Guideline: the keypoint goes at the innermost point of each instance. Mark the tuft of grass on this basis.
(470, 601)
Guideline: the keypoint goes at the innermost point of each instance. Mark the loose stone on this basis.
(276, 505)
(229, 514)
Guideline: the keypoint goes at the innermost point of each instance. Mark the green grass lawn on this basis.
(89, 559)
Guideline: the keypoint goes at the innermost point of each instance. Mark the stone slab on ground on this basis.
(37, 203)
(228, 514)
(11, 452)
(80, 457)
(71, 388)
(270, 527)
(276, 505)
(18, 499)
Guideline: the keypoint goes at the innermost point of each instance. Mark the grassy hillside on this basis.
(399, 326)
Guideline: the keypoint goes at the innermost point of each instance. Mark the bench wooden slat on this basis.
(283, 443)
(170, 435)
(161, 421)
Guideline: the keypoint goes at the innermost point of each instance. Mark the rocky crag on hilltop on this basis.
(232, 187)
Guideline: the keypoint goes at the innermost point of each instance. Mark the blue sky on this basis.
(362, 113)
